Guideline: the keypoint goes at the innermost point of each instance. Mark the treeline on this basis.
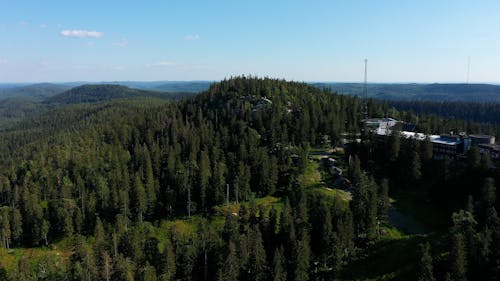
(468, 111)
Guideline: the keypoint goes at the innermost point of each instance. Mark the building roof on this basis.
(446, 140)
(413, 135)
(495, 147)
(379, 120)
(481, 136)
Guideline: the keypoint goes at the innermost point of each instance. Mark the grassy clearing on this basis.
(316, 179)
(234, 208)
(53, 260)
(311, 176)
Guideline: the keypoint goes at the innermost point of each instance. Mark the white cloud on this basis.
(191, 37)
(163, 64)
(81, 33)
(3, 61)
(123, 43)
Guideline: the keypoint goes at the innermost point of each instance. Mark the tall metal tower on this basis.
(365, 92)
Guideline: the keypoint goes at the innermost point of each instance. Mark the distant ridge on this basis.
(38, 90)
(388, 91)
(413, 91)
(96, 93)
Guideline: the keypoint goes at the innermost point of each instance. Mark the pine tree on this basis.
(287, 236)
(383, 200)
(5, 227)
(148, 273)
(354, 172)
(458, 258)
(204, 177)
(415, 168)
(327, 239)
(149, 186)
(487, 201)
(139, 198)
(257, 256)
(279, 272)
(16, 225)
(425, 264)
(107, 266)
(167, 261)
(229, 269)
(394, 142)
(302, 259)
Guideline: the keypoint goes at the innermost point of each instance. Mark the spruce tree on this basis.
(279, 271)
(167, 267)
(302, 259)
(229, 268)
(458, 258)
(383, 200)
(139, 198)
(425, 264)
(257, 256)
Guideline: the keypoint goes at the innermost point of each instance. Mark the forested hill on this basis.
(224, 186)
(428, 92)
(97, 93)
(38, 91)
(33, 100)
(388, 91)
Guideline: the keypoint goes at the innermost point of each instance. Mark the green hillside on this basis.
(38, 91)
(110, 183)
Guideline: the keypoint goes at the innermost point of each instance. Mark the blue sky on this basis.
(404, 41)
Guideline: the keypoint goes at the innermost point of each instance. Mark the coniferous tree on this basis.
(426, 272)
(327, 239)
(257, 268)
(279, 270)
(383, 200)
(139, 198)
(458, 258)
(287, 236)
(302, 258)
(167, 266)
(229, 269)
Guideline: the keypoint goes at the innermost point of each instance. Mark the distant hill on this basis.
(430, 92)
(161, 86)
(40, 90)
(97, 93)
(184, 86)
(387, 91)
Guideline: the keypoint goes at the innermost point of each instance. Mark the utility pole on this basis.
(227, 194)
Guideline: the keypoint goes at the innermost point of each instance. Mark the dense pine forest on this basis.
(230, 185)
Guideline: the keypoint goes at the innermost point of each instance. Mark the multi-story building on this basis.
(482, 139)
(493, 150)
(449, 146)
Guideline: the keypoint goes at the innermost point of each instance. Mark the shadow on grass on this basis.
(388, 260)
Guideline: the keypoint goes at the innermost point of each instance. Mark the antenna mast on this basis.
(365, 92)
